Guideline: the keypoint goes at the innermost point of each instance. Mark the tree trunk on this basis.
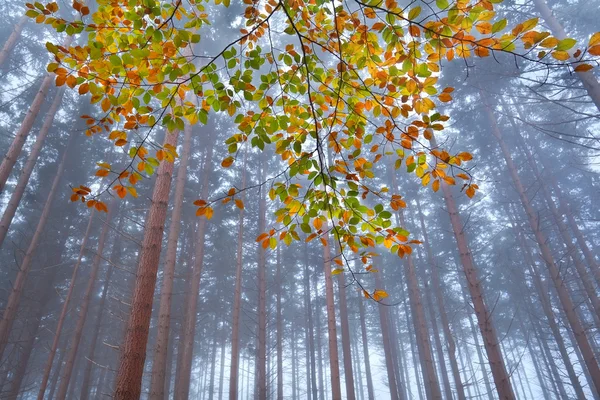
(484, 317)
(23, 180)
(85, 303)
(12, 304)
(114, 257)
(385, 333)
(188, 331)
(565, 298)
(159, 360)
(319, 346)
(334, 366)
(222, 365)
(261, 357)
(237, 301)
(345, 327)
(12, 40)
(133, 350)
(439, 297)
(309, 318)
(64, 311)
(279, 330)
(21, 136)
(589, 81)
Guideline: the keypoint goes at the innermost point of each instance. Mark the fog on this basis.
(499, 297)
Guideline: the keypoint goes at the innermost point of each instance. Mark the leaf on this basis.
(594, 50)
(379, 294)
(566, 44)
(102, 172)
(594, 40)
(499, 25)
(337, 271)
(414, 13)
(226, 163)
(583, 68)
(121, 191)
(132, 191)
(239, 203)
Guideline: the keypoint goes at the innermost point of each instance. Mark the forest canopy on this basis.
(324, 121)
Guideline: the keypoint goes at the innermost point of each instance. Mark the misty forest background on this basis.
(533, 132)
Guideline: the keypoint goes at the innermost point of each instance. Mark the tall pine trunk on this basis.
(133, 350)
(188, 330)
(261, 353)
(237, 301)
(439, 297)
(12, 39)
(484, 317)
(159, 360)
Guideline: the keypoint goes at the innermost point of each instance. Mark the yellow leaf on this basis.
(379, 294)
(317, 223)
(209, 212)
(132, 191)
(436, 185)
(337, 271)
(595, 39)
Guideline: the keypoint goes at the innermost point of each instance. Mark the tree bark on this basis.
(345, 327)
(159, 360)
(279, 330)
(564, 296)
(12, 40)
(387, 351)
(12, 304)
(334, 366)
(188, 331)
(439, 297)
(133, 351)
(261, 358)
(237, 301)
(309, 318)
(23, 180)
(484, 317)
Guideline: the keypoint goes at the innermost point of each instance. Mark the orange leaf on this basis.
(121, 191)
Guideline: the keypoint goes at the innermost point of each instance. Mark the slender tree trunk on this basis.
(64, 311)
(319, 346)
(222, 366)
(57, 370)
(213, 359)
(279, 330)
(309, 318)
(237, 301)
(114, 257)
(12, 40)
(186, 344)
(345, 327)
(430, 379)
(484, 317)
(261, 357)
(159, 360)
(559, 389)
(16, 146)
(25, 174)
(589, 81)
(534, 360)
(85, 303)
(565, 298)
(133, 350)
(385, 333)
(12, 304)
(334, 366)
(439, 296)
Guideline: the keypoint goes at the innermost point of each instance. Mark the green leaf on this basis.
(498, 26)
(566, 44)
